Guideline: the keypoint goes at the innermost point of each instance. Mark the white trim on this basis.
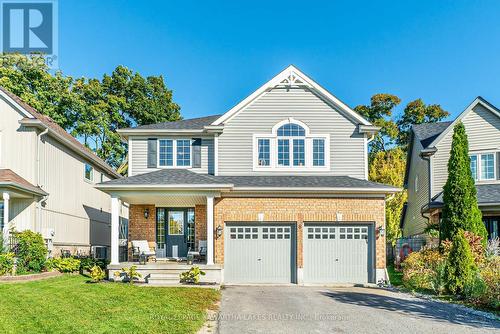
(174, 153)
(216, 155)
(115, 229)
(321, 189)
(479, 163)
(365, 152)
(273, 149)
(464, 113)
(290, 71)
(210, 230)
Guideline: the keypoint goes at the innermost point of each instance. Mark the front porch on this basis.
(175, 223)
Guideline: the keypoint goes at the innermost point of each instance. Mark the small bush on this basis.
(97, 274)
(87, 263)
(31, 251)
(420, 270)
(6, 263)
(63, 265)
(460, 269)
(490, 274)
(128, 274)
(192, 276)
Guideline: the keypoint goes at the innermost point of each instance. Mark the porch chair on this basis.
(140, 247)
(201, 253)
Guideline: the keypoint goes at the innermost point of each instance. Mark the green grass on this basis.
(68, 304)
(396, 277)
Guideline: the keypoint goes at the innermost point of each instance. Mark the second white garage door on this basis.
(259, 254)
(337, 253)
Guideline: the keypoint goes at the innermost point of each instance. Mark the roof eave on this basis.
(111, 187)
(37, 192)
(332, 190)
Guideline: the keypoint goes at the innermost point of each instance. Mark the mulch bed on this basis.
(30, 277)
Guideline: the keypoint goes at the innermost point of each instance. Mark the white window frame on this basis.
(479, 165)
(92, 170)
(273, 147)
(174, 152)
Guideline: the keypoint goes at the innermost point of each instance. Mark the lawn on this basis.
(396, 277)
(68, 304)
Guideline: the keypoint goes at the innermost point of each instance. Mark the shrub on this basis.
(460, 269)
(63, 265)
(423, 270)
(87, 263)
(97, 274)
(6, 263)
(490, 274)
(192, 275)
(31, 251)
(128, 274)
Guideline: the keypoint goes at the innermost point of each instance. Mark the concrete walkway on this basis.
(294, 309)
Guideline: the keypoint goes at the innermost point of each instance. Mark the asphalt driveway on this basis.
(294, 309)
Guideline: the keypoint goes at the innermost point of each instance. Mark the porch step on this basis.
(164, 279)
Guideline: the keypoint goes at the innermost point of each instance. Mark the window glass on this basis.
(190, 229)
(89, 172)
(176, 222)
(318, 152)
(487, 166)
(264, 152)
(166, 152)
(473, 166)
(160, 226)
(183, 152)
(283, 152)
(291, 130)
(298, 152)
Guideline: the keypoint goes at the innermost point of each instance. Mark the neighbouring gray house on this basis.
(275, 190)
(427, 167)
(47, 180)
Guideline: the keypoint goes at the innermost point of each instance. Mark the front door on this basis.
(176, 233)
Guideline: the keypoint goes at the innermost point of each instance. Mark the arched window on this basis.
(290, 146)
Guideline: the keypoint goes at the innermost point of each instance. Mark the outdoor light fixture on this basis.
(260, 217)
(146, 213)
(218, 231)
(381, 231)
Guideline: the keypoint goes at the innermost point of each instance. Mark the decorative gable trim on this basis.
(477, 100)
(292, 76)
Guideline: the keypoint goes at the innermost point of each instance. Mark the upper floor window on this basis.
(174, 152)
(483, 166)
(290, 146)
(89, 172)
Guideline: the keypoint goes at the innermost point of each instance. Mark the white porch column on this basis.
(210, 230)
(6, 199)
(115, 221)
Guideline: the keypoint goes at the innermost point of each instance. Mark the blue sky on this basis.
(213, 54)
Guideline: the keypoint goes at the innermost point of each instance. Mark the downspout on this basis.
(38, 203)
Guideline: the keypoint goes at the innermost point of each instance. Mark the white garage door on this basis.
(337, 254)
(258, 254)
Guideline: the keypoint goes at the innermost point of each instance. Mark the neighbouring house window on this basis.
(299, 158)
(166, 151)
(183, 152)
(1, 216)
(483, 166)
(487, 166)
(318, 152)
(264, 152)
(291, 146)
(492, 224)
(89, 172)
(473, 166)
(283, 152)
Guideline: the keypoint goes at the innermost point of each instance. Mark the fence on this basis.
(404, 246)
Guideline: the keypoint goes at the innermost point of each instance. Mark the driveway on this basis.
(294, 309)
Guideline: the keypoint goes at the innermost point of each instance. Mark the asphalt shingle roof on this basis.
(183, 176)
(486, 193)
(427, 132)
(185, 124)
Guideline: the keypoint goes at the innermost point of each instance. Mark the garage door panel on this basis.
(337, 253)
(264, 257)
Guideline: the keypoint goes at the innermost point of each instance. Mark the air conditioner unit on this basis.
(100, 252)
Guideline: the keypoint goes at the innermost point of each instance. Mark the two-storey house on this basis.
(276, 186)
(47, 180)
(427, 168)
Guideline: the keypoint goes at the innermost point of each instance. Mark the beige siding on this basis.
(347, 146)
(483, 131)
(139, 156)
(72, 202)
(414, 222)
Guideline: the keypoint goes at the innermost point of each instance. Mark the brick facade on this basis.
(299, 210)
